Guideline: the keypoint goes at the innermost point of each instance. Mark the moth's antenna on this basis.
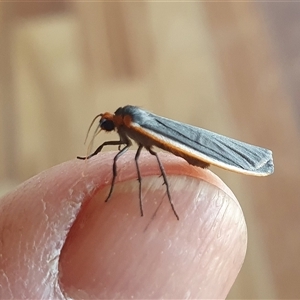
(100, 115)
(90, 146)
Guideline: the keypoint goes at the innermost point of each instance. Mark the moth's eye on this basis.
(107, 125)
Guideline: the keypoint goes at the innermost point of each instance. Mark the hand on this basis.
(59, 238)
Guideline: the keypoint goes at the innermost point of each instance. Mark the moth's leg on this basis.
(162, 170)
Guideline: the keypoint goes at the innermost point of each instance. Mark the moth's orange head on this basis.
(107, 122)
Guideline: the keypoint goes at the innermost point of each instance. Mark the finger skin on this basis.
(59, 239)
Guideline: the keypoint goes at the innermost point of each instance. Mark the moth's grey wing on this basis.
(215, 148)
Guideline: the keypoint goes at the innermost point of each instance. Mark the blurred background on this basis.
(230, 67)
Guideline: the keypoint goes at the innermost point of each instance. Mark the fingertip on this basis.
(114, 245)
(110, 249)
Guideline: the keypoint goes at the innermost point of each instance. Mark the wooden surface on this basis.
(229, 67)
